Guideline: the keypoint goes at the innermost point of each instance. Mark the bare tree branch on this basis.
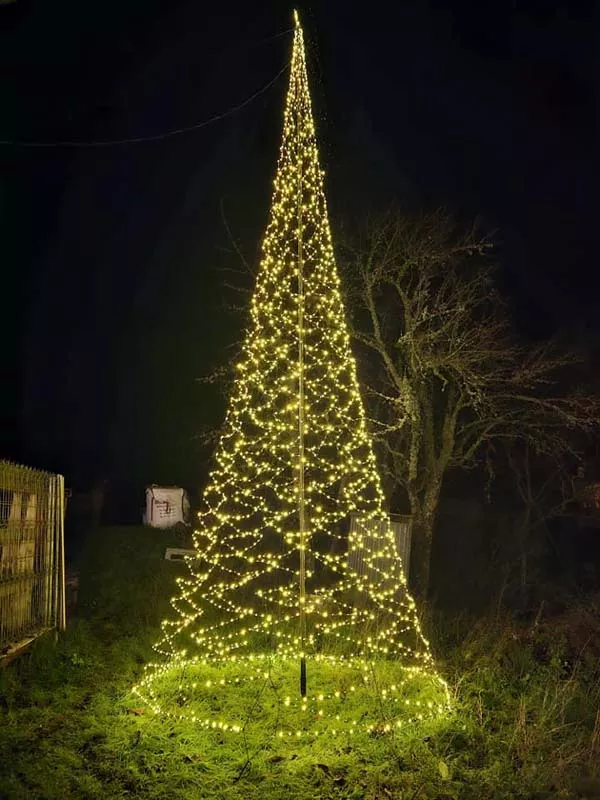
(446, 374)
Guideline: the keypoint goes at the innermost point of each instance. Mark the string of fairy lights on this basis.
(242, 598)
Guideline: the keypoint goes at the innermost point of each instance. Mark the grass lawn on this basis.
(525, 722)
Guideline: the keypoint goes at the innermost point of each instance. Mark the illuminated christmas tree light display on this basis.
(284, 593)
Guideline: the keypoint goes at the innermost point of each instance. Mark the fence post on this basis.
(60, 529)
(59, 555)
(50, 549)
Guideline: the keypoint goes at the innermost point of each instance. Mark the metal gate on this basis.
(32, 556)
(373, 534)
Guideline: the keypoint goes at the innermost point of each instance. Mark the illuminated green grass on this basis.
(343, 698)
(524, 720)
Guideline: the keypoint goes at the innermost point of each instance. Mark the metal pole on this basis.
(301, 506)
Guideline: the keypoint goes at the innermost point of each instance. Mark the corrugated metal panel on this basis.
(374, 535)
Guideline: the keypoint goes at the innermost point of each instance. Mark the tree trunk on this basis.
(423, 508)
(523, 542)
(420, 557)
(523, 579)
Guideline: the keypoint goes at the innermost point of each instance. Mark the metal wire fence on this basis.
(32, 559)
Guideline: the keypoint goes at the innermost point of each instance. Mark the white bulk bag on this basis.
(166, 506)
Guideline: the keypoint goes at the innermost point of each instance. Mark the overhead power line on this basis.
(152, 137)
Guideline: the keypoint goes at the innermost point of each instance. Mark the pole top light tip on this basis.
(296, 18)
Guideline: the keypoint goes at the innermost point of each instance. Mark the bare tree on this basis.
(445, 375)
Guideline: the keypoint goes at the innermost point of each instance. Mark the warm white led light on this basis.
(266, 587)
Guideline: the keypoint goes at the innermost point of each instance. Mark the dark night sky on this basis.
(111, 289)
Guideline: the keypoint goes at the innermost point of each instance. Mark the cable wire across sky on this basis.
(151, 137)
